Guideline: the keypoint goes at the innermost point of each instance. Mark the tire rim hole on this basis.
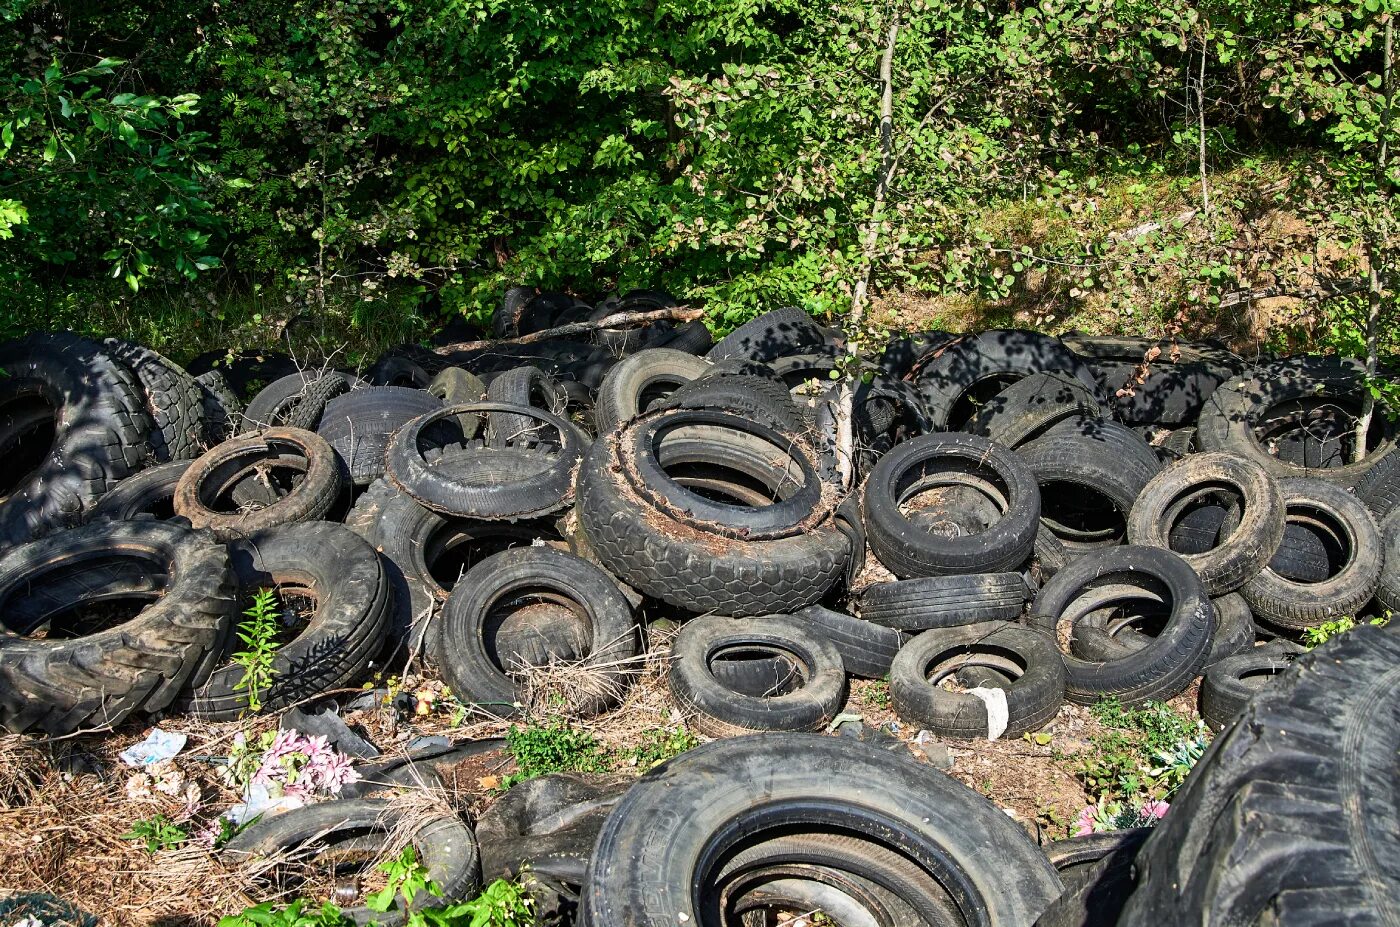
(536, 627)
(747, 871)
(72, 599)
(1184, 508)
(955, 669)
(1318, 432)
(1077, 512)
(1324, 534)
(726, 466)
(457, 545)
(758, 670)
(975, 397)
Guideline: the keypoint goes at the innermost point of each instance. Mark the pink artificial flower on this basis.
(1084, 824)
(1155, 808)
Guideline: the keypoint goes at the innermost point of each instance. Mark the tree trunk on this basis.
(845, 430)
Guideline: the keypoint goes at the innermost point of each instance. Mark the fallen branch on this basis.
(1321, 291)
(621, 320)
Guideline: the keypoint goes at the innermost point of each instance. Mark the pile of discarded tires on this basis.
(1064, 519)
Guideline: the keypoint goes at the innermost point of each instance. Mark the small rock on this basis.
(938, 755)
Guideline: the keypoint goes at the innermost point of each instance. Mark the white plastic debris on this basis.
(997, 716)
(159, 745)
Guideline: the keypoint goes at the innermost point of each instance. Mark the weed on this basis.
(503, 903)
(270, 914)
(659, 744)
(259, 633)
(877, 694)
(541, 749)
(1313, 637)
(158, 833)
(1149, 749)
(407, 877)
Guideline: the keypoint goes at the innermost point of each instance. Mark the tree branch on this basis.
(621, 320)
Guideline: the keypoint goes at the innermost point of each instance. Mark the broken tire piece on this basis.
(445, 845)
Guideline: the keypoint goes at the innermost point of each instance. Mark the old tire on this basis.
(336, 568)
(61, 684)
(807, 697)
(1289, 818)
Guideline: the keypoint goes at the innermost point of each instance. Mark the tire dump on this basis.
(228, 569)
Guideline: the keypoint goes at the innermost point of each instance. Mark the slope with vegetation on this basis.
(194, 174)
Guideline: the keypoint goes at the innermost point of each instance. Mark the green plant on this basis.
(877, 694)
(157, 833)
(541, 749)
(259, 634)
(1321, 634)
(1145, 750)
(407, 877)
(295, 914)
(659, 744)
(503, 903)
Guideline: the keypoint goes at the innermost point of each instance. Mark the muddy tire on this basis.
(202, 493)
(66, 683)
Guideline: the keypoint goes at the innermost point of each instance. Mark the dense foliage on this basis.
(375, 159)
